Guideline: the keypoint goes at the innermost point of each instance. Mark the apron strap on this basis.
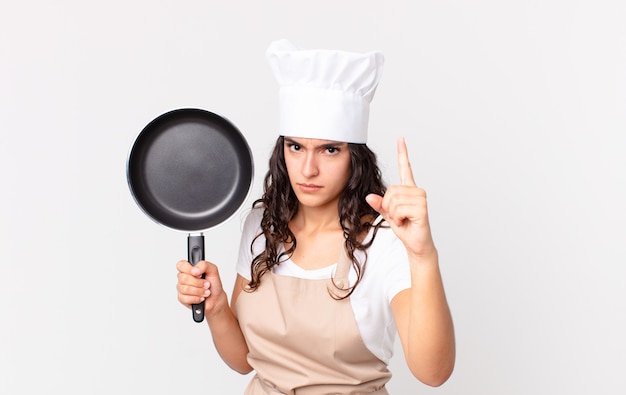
(340, 283)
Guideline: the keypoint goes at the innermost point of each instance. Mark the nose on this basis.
(309, 167)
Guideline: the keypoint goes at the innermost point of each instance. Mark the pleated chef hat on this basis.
(324, 94)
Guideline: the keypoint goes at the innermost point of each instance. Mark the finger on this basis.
(209, 268)
(188, 300)
(196, 282)
(192, 290)
(190, 295)
(198, 270)
(195, 270)
(404, 166)
(192, 287)
(375, 202)
(184, 266)
(408, 211)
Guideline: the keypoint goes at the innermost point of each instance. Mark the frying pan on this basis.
(189, 170)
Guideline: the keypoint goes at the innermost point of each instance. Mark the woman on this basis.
(332, 264)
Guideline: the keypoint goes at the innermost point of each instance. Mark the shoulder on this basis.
(388, 262)
(252, 218)
(252, 233)
(251, 227)
(250, 245)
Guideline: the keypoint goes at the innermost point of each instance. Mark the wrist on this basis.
(424, 260)
(218, 308)
(424, 255)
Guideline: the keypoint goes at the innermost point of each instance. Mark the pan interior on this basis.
(190, 171)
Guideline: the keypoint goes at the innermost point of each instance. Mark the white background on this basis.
(515, 117)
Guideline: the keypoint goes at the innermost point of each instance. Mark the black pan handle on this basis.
(195, 254)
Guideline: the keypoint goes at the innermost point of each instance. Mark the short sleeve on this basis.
(251, 228)
(398, 273)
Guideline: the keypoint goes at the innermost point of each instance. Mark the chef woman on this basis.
(332, 264)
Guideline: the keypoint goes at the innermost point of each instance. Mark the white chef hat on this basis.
(324, 94)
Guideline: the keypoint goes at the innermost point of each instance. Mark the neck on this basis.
(311, 219)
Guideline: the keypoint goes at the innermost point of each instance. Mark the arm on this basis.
(421, 312)
(227, 335)
(425, 324)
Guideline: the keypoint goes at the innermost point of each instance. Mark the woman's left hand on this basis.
(404, 208)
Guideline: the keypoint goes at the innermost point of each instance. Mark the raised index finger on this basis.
(404, 166)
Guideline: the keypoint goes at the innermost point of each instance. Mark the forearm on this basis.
(228, 338)
(430, 348)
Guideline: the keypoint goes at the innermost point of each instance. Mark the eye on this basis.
(293, 147)
(332, 150)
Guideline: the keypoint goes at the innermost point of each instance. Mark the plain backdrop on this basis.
(515, 117)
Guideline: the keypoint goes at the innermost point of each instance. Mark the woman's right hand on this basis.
(193, 289)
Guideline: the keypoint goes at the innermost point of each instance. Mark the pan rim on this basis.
(134, 191)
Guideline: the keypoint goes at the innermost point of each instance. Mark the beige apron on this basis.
(304, 342)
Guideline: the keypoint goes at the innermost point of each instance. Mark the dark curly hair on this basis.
(280, 205)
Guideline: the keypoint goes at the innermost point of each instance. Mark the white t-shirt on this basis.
(387, 273)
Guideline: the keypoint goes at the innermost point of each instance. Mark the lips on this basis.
(309, 187)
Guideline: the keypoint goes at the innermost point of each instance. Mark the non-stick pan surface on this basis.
(190, 169)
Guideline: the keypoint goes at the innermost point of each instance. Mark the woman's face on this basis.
(318, 169)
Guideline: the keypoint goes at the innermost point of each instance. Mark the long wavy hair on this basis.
(280, 205)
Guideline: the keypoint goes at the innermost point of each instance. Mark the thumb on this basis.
(210, 269)
(199, 269)
(375, 202)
